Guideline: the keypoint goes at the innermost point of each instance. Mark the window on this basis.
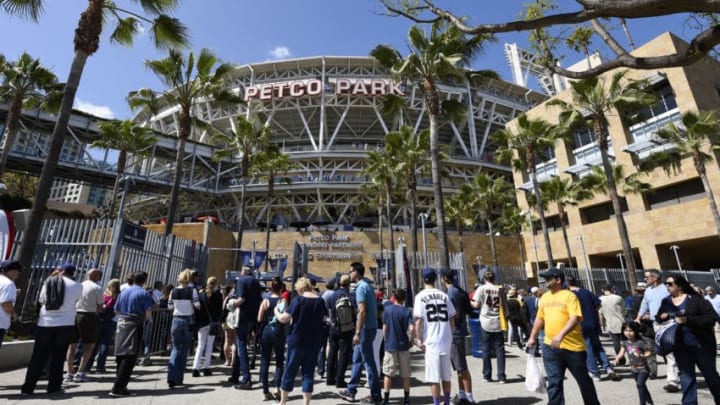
(600, 212)
(675, 194)
(666, 101)
(583, 136)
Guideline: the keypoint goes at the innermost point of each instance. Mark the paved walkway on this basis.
(149, 386)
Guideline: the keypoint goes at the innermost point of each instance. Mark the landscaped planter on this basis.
(15, 354)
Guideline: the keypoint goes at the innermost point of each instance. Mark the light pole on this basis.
(534, 245)
(585, 259)
(252, 257)
(423, 217)
(622, 263)
(675, 249)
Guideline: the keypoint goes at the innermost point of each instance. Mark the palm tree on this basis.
(165, 32)
(441, 55)
(698, 132)
(410, 157)
(564, 192)
(26, 84)
(244, 138)
(524, 149)
(492, 195)
(189, 82)
(512, 220)
(270, 163)
(596, 98)
(124, 136)
(460, 211)
(381, 169)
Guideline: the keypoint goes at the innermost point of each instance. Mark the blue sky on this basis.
(244, 31)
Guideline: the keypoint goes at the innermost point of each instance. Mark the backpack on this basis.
(344, 314)
(465, 306)
(54, 293)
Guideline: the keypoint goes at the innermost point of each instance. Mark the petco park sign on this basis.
(314, 87)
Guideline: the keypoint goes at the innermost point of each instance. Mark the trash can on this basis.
(477, 336)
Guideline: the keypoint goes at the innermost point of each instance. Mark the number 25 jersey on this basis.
(435, 309)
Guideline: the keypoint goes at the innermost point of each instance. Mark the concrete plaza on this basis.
(150, 387)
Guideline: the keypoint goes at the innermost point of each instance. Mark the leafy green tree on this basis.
(698, 137)
(123, 136)
(439, 55)
(564, 192)
(409, 152)
(524, 149)
(492, 196)
(270, 164)
(26, 84)
(596, 98)
(164, 30)
(461, 211)
(189, 81)
(512, 220)
(245, 138)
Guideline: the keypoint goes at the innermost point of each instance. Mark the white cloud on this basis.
(96, 110)
(280, 52)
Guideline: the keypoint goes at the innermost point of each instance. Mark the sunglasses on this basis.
(669, 283)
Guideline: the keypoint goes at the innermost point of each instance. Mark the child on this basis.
(638, 351)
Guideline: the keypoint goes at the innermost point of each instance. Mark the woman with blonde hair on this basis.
(183, 302)
(229, 343)
(106, 323)
(273, 338)
(308, 315)
(208, 326)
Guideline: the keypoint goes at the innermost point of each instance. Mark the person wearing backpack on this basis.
(342, 330)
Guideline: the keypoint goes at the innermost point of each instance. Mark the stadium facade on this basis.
(325, 112)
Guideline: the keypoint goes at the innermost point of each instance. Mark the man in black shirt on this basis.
(248, 297)
(341, 347)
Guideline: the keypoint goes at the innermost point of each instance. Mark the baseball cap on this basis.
(7, 265)
(68, 268)
(534, 290)
(429, 275)
(446, 273)
(641, 286)
(553, 273)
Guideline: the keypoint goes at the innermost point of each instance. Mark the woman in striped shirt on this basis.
(183, 301)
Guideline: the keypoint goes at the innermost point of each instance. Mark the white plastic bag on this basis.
(534, 375)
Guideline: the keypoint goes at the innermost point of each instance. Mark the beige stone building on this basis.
(676, 211)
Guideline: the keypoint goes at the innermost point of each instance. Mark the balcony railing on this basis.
(644, 135)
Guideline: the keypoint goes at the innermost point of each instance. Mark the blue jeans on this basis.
(106, 330)
(364, 353)
(594, 351)
(641, 384)
(304, 358)
(273, 340)
(704, 358)
(242, 365)
(556, 361)
(496, 341)
(180, 331)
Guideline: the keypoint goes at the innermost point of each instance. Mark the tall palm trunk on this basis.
(493, 249)
(413, 218)
(390, 264)
(120, 170)
(271, 191)
(561, 212)
(185, 129)
(87, 39)
(708, 191)
(380, 231)
(601, 140)
(13, 118)
(241, 214)
(541, 214)
(431, 99)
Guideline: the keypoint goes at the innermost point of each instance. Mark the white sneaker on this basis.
(80, 378)
(68, 378)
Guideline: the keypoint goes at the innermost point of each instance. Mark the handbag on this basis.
(667, 338)
(214, 328)
(534, 375)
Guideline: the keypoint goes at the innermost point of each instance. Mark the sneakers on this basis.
(611, 375)
(206, 372)
(68, 378)
(503, 381)
(671, 388)
(370, 400)
(196, 373)
(81, 378)
(244, 385)
(595, 378)
(120, 393)
(347, 395)
(268, 396)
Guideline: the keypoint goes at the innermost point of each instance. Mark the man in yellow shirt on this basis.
(559, 314)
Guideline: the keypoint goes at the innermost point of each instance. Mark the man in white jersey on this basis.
(434, 312)
(487, 299)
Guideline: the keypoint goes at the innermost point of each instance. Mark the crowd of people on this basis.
(352, 327)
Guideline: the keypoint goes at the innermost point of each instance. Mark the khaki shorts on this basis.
(395, 363)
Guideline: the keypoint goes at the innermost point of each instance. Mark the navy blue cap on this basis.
(429, 275)
(7, 265)
(553, 273)
(68, 268)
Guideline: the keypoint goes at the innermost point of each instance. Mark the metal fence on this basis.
(88, 244)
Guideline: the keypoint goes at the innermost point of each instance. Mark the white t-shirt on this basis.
(488, 295)
(612, 308)
(92, 296)
(8, 293)
(435, 309)
(65, 316)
